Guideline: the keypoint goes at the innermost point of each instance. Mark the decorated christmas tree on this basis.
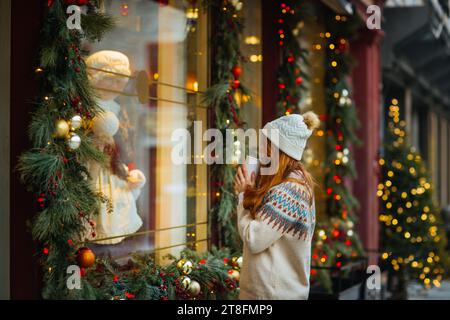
(413, 238)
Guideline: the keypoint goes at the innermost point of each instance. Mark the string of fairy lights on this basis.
(335, 239)
(290, 73)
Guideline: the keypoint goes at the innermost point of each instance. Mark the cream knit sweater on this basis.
(277, 244)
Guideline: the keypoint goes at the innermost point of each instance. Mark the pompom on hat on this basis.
(293, 132)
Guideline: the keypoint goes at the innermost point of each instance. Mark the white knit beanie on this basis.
(293, 132)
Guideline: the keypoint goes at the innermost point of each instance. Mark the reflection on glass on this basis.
(151, 204)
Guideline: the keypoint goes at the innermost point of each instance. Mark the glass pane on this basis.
(252, 73)
(148, 73)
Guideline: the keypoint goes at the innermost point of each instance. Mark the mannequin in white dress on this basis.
(117, 183)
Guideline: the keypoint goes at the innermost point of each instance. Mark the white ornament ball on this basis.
(74, 141)
(187, 267)
(194, 288)
(76, 122)
(239, 262)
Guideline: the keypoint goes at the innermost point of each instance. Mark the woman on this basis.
(276, 217)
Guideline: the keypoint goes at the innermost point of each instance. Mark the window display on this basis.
(120, 185)
(148, 73)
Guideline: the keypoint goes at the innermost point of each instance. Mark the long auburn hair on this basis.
(253, 196)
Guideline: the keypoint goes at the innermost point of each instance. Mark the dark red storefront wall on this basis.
(367, 95)
(25, 27)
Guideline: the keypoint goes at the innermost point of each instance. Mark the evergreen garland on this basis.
(337, 241)
(225, 84)
(53, 171)
(291, 76)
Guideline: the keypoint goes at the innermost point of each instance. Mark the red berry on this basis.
(237, 71)
(129, 295)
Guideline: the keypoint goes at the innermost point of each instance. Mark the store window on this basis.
(148, 74)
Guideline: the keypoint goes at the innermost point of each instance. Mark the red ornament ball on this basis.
(237, 71)
(83, 2)
(298, 81)
(85, 257)
(236, 84)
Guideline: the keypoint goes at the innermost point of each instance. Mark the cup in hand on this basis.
(252, 165)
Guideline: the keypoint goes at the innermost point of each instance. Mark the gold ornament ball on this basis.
(194, 288)
(74, 141)
(185, 266)
(236, 262)
(76, 122)
(185, 282)
(85, 257)
(234, 274)
(180, 264)
(62, 128)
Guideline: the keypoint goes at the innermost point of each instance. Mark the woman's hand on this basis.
(242, 180)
